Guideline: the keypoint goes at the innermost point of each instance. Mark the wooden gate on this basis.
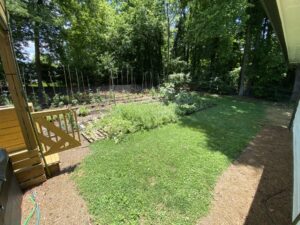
(57, 130)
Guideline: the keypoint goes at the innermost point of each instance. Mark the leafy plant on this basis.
(167, 92)
(130, 118)
(55, 100)
(190, 102)
(74, 102)
(5, 100)
(83, 111)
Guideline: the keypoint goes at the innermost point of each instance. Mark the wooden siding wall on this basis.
(11, 137)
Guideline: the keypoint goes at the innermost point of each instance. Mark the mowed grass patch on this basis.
(167, 175)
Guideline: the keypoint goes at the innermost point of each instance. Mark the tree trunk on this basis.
(296, 89)
(38, 66)
(245, 62)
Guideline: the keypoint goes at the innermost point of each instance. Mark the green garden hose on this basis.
(35, 209)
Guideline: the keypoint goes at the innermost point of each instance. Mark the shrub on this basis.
(154, 93)
(167, 92)
(74, 102)
(55, 100)
(190, 102)
(180, 81)
(61, 104)
(83, 111)
(95, 98)
(46, 98)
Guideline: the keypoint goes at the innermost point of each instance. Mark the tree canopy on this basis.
(228, 47)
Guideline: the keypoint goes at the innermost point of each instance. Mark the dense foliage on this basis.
(227, 47)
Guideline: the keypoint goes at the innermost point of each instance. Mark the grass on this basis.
(167, 175)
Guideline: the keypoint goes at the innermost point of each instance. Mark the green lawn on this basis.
(167, 175)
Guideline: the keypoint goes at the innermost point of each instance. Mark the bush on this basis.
(176, 83)
(55, 100)
(190, 102)
(74, 102)
(83, 111)
(167, 92)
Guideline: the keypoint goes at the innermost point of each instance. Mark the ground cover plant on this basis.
(167, 175)
(83, 111)
(130, 118)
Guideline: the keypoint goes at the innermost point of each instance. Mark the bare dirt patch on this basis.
(58, 198)
(257, 188)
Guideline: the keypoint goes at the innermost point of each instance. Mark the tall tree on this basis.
(38, 22)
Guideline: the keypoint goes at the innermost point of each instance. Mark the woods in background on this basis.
(228, 47)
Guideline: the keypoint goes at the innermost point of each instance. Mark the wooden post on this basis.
(12, 74)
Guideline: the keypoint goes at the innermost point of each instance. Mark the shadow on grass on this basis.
(229, 129)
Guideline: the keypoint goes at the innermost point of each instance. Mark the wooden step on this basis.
(53, 162)
(28, 167)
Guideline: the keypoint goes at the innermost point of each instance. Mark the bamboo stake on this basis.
(82, 82)
(89, 87)
(143, 82)
(132, 84)
(78, 87)
(33, 92)
(127, 75)
(24, 82)
(53, 87)
(151, 77)
(71, 86)
(66, 84)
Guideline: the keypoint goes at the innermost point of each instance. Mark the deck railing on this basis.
(57, 130)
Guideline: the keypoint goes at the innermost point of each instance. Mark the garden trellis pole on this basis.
(23, 77)
(127, 75)
(117, 78)
(78, 85)
(113, 85)
(70, 78)
(151, 77)
(53, 86)
(33, 92)
(143, 81)
(66, 83)
(89, 87)
(82, 82)
(24, 82)
(122, 78)
(131, 77)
